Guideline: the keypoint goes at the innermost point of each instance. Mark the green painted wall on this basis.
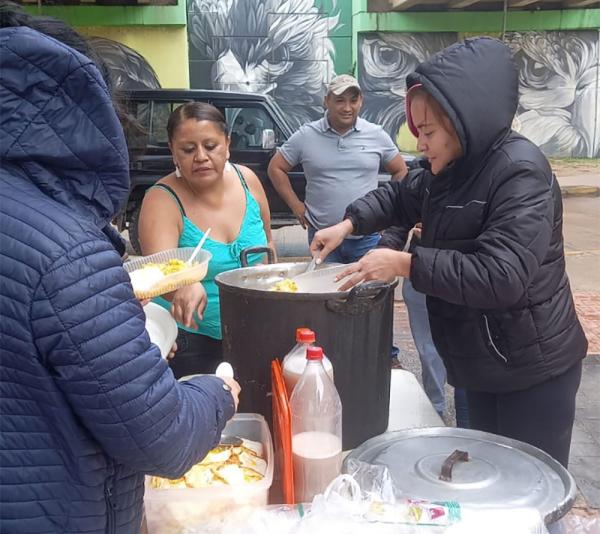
(477, 21)
(472, 22)
(158, 33)
(341, 35)
(92, 15)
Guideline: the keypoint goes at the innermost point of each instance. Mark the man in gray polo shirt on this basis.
(341, 155)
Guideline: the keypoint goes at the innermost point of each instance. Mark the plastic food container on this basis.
(188, 275)
(170, 511)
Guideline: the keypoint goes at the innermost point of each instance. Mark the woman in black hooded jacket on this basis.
(491, 258)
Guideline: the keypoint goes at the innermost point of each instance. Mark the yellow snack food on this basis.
(223, 465)
(169, 267)
(287, 285)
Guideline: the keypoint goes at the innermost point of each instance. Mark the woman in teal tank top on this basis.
(205, 191)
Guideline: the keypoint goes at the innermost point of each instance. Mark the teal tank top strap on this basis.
(242, 179)
(171, 192)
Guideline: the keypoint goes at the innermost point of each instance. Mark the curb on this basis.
(580, 191)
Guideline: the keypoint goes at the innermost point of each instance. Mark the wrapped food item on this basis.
(286, 285)
(414, 512)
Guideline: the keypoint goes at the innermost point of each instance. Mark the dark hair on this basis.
(201, 111)
(12, 15)
(434, 106)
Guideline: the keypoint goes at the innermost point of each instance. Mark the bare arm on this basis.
(397, 168)
(160, 226)
(259, 194)
(160, 222)
(277, 171)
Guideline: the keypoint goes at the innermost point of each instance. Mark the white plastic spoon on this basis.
(198, 247)
(224, 370)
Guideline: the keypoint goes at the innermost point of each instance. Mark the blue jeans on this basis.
(433, 371)
(350, 250)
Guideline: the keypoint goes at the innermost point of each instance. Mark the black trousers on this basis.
(196, 354)
(542, 415)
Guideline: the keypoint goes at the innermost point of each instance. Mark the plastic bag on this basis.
(500, 521)
(348, 504)
(374, 481)
(577, 522)
(276, 519)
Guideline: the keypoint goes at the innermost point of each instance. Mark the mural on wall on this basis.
(559, 78)
(385, 59)
(559, 97)
(275, 47)
(129, 69)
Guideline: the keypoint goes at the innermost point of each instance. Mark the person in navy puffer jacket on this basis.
(88, 406)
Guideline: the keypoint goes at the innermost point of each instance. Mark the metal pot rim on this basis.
(222, 282)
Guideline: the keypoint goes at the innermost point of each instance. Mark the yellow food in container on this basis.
(179, 508)
(224, 465)
(286, 285)
(166, 271)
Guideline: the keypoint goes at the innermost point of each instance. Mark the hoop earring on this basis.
(177, 172)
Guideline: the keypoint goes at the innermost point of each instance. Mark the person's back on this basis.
(88, 405)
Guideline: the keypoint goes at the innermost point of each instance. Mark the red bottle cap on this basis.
(305, 335)
(314, 353)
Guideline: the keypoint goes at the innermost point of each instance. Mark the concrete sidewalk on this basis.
(579, 180)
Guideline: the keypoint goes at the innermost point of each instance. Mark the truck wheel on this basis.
(134, 237)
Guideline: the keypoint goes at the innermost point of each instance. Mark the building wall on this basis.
(559, 84)
(557, 53)
(145, 46)
(163, 48)
(289, 49)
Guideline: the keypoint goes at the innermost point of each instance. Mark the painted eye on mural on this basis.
(387, 55)
(279, 61)
(279, 54)
(535, 73)
(383, 60)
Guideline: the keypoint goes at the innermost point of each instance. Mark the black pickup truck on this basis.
(257, 126)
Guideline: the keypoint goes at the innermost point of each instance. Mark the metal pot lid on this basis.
(499, 472)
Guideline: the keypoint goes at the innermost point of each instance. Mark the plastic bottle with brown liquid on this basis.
(316, 411)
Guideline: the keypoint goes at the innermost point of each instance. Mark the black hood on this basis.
(476, 82)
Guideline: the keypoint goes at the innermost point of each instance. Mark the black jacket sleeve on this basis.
(393, 204)
(394, 237)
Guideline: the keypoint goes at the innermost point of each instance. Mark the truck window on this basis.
(137, 135)
(158, 122)
(247, 125)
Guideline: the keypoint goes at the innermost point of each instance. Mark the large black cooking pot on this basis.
(354, 328)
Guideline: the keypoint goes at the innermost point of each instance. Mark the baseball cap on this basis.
(341, 83)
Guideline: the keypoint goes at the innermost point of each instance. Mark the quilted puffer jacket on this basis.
(491, 258)
(87, 405)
